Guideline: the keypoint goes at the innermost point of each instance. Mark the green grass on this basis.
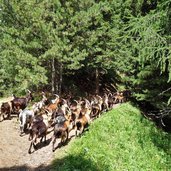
(120, 140)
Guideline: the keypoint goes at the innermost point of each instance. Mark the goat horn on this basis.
(75, 101)
(87, 101)
(28, 90)
(56, 95)
(46, 111)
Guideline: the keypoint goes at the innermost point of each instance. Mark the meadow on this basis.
(121, 139)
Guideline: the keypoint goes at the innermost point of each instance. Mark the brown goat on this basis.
(81, 123)
(105, 105)
(95, 112)
(61, 129)
(6, 110)
(119, 98)
(38, 130)
(96, 103)
(53, 106)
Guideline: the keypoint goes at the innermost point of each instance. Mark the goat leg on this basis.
(45, 139)
(1, 118)
(76, 131)
(9, 115)
(64, 137)
(34, 141)
(41, 139)
(29, 151)
(67, 132)
(81, 129)
(53, 143)
(34, 145)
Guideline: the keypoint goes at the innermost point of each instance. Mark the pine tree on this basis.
(20, 45)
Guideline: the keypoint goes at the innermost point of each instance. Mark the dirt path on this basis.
(14, 148)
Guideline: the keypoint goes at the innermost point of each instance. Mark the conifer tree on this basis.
(20, 45)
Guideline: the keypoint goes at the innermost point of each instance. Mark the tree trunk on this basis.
(97, 81)
(60, 78)
(53, 75)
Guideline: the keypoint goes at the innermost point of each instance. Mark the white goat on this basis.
(25, 117)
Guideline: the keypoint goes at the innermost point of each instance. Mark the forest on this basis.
(87, 47)
(66, 51)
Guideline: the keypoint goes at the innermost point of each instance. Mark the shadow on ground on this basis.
(68, 163)
(26, 168)
(74, 162)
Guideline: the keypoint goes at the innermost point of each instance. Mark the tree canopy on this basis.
(98, 43)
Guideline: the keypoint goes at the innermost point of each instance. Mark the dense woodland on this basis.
(82, 47)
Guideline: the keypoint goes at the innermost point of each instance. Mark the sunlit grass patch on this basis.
(120, 140)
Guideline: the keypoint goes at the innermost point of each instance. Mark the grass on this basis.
(120, 140)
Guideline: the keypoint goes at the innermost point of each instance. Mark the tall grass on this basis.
(120, 140)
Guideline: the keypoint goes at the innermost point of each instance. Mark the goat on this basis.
(81, 123)
(25, 117)
(63, 126)
(105, 104)
(6, 110)
(119, 98)
(97, 100)
(53, 106)
(95, 111)
(96, 103)
(110, 100)
(86, 107)
(54, 100)
(21, 103)
(64, 106)
(63, 109)
(75, 108)
(38, 130)
(39, 105)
